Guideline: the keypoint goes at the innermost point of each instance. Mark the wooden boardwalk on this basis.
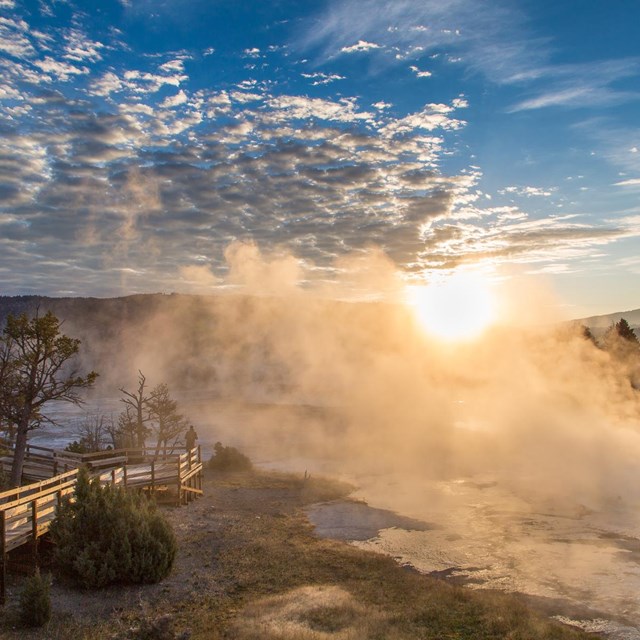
(26, 512)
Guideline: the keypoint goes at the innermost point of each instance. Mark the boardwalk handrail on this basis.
(26, 493)
(26, 512)
(44, 462)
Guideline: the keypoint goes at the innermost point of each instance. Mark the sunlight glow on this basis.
(460, 307)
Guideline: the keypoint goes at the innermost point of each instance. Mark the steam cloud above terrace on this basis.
(537, 404)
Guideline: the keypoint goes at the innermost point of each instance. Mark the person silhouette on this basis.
(190, 438)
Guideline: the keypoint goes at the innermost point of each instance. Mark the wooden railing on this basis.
(181, 470)
(26, 512)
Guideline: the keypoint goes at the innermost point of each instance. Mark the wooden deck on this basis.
(26, 512)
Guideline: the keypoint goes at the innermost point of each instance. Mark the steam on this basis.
(542, 409)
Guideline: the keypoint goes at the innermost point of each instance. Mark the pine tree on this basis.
(623, 329)
(111, 536)
(34, 370)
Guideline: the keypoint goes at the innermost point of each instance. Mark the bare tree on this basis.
(93, 432)
(35, 367)
(136, 403)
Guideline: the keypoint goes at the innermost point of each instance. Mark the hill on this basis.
(598, 324)
(250, 347)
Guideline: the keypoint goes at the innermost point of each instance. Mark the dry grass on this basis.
(313, 613)
(250, 567)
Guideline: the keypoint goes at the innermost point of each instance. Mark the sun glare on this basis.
(458, 308)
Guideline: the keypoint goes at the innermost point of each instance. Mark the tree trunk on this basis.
(19, 453)
(140, 425)
(159, 442)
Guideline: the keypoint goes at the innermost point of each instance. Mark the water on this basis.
(480, 534)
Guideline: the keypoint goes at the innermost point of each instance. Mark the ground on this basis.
(250, 566)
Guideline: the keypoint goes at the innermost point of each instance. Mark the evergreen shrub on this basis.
(111, 536)
(229, 459)
(35, 601)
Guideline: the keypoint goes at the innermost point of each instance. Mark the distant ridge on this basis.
(145, 303)
(605, 321)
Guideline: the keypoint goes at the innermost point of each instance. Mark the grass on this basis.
(262, 573)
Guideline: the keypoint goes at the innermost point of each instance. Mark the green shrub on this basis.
(35, 601)
(229, 459)
(111, 536)
(77, 447)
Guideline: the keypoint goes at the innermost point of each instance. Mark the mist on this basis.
(534, 403)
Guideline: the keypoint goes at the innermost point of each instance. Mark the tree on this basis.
(94, 433)
(163, 410)
(136, 402)
(124, 432)
(623, 329)
(36, 368)
(109, 535)
(587, 334)
(7, 367)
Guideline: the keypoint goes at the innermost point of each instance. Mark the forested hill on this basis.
(184, 340)
(121, 335)
(229, 343)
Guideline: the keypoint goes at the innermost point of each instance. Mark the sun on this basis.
(460, 307)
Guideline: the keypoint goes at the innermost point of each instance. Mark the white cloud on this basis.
(176, 65)
(493, 40)
(137, 82)
(63, 71)
(579, 85)
(7, 92)
(14, 38)
(631, 182)
(244, 97)
(79, 47)
(361, 45)
(175, 100)
(320, 78)
(527, 192)
(303, 108)
(109, 83)
(420, 74)
(433, 116)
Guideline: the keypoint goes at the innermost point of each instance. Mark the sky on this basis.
(143, 142)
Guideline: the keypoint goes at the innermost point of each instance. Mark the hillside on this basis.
(605, 321)
(231, 345)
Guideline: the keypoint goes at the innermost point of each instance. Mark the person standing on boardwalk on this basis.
(190, 438)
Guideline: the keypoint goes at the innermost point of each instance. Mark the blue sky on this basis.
(142, 140)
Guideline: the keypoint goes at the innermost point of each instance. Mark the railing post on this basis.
(34, 531)
(113, 477)
(124, 470)
(153, 473)
(3, 555)
(34, 520)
